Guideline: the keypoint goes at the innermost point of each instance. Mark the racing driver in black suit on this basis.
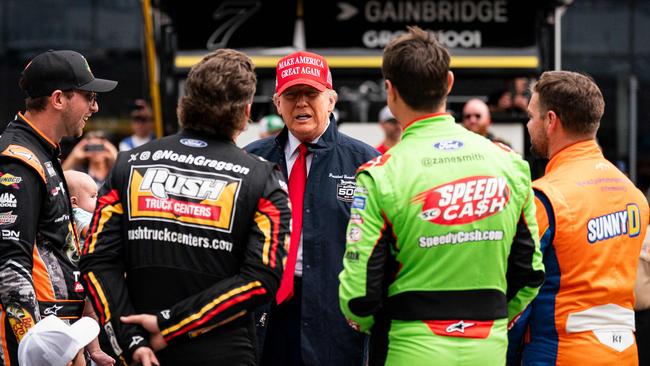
(189, 234)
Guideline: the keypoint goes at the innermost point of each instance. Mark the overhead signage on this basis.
(464, 24)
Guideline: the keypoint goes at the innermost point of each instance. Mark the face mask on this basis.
(81, 218)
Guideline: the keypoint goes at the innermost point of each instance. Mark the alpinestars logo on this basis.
(186, 197)
(53, 310)
(464, 200)
(135, 340)
(459, 327)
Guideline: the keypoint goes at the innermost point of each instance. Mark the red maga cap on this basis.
(302, 68)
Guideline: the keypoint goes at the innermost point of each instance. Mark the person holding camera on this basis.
(94, 155)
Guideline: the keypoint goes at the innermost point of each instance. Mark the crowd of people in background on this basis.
(309, 247)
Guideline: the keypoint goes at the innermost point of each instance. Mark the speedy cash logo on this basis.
(464, 200)
(166, 193)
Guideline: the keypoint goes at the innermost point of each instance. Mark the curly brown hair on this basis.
(217, 92)
(417, 65)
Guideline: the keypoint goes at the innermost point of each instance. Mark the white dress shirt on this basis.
(290, 155)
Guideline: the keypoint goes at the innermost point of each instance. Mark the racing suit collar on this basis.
(51, 147)
(578, 151)
(423, 121)
(202, 135)
(425, 117)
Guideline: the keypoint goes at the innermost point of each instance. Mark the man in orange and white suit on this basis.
(592, 221)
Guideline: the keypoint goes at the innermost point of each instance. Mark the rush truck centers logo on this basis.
(166, 193)
(464, 200)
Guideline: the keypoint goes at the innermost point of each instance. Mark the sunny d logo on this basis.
(624, 222)
(464, 200)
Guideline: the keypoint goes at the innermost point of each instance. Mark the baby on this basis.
(83, 197)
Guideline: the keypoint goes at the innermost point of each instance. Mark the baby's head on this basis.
(83, 190)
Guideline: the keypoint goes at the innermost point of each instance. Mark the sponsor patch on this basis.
(624, 222)
(7, 218)
(461, 328)
(10, 234)
(21, 151)
(198, 199)
(165, 314)
(361, 190)
(78, 287)
(345, 190)
(7, 200)
(352, 255)
(354, 235)
(355, 218)
(460, 238)
(448, 145)
(9, 179)
(50, 169)
(169, 236)
(464, 200)
(194, 143)
(20, 320)
(359, 203)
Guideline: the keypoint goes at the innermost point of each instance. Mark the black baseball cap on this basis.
(62, 70)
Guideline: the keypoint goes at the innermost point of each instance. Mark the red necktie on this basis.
(297, 180)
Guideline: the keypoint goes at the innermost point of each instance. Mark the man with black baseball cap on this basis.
(39, 248)
(62, 70)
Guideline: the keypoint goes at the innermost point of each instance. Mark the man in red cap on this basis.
(306, 327)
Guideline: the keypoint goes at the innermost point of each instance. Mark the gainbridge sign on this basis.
(166, 193)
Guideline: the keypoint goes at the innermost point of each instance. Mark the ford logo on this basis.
(448, 145)
(194, 143)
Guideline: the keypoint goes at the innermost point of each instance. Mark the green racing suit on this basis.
(442, 248)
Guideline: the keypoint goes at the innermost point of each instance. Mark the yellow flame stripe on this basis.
(211, 305)
(107, 213)
(100, 293)
(264, 224)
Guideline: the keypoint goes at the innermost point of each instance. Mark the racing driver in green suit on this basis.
(442, 244)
